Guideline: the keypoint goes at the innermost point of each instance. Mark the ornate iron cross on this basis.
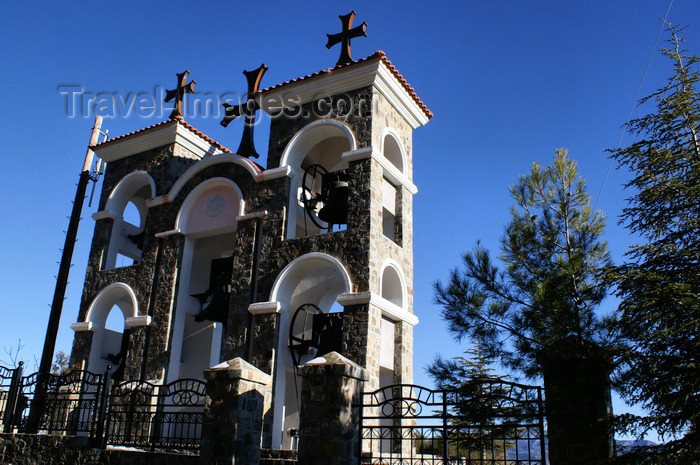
(247, 147)
(344, 37)
(179, 93)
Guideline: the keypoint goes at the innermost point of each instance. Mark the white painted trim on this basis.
(274, 173)
(390, 171)
(299, 137)
(125, 288)
(199, 166)
(387, 84)
(372, 72)
(264, 308)
(306, 90)
(355, 298)
(359, 154)
(136, 321)
(101, 215)
(201, 189)
(168, 133)
(81, 326)
(390, 263)
(389, 310)
(247, 216)
(172, 232)
(253, 215)
(389, 132)
(309, 256)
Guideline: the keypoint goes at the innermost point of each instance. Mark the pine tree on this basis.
(659, 285)
(549, 290)
(538, 315)
(479, 412)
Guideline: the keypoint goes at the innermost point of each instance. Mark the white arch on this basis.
(107, 298)
(389, 288)
(301, 266)
(125, 190)
(315, 278)
(390, 133)
(105, 341)
(312, 134)
(183, 215)
(248, 165)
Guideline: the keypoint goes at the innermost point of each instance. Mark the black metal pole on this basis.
(39, 401)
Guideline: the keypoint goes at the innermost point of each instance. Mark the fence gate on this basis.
(501, 423)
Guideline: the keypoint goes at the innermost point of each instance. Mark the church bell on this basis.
(335, 208)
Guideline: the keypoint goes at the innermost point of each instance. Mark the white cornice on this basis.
(81, 326)
(389, 310)
(390, 171)
(252, 215)
(150, 138)
(371, 73)
(103, 214)
(264, 308)
(136, 321)
(390, 87)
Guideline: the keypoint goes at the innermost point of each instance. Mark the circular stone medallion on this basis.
(215, 206)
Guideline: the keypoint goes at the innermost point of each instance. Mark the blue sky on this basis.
(508, 82)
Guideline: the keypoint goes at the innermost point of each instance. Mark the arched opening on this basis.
(392, 285)
(108, 314)
(320, 143)
(392, 151)
(208, 219)
(127, 207)
(317, 279)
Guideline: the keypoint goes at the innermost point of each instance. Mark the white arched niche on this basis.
(116, 302)
(321, 142)
(392, 285)
(127, 206)
(393, 150)
(392, 289)
(314, 278)
(208, 220)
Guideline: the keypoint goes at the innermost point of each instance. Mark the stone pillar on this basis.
(328, 424)
(577, 403)
(237, 396)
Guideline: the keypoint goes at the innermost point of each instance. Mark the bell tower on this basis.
(344, 139)
(201, 255)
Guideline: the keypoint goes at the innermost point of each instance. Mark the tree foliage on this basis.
(549, 287)
(479, 412)
(659, 284)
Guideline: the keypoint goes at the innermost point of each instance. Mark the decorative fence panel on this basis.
(130, 413)
(72, 404)
(146, 415)
(500, 424)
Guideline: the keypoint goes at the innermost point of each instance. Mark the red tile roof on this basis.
(376, 55)
(176, 120)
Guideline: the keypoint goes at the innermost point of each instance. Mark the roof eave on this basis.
(157, 136)
(372, 72)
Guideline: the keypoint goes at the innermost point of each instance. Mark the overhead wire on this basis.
(634, 102)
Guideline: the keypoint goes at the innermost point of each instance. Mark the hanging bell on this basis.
(335, 208)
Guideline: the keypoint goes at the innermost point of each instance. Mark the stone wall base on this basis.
(30, 449)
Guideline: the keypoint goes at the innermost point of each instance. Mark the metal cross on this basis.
(179, 93)
(345, 37)
(247, 147)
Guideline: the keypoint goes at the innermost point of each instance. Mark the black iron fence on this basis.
(502, 423)
(128, 413)
(142, 414)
